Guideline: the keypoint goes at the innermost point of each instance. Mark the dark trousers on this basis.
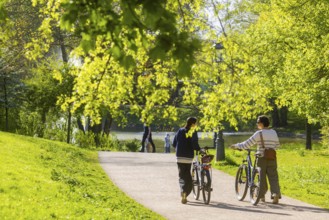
(150, 141)
(185, 177)
(269, 170)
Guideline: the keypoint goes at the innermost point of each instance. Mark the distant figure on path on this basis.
(266, 140)
(167, 143)
(147, 135)
(185, 142)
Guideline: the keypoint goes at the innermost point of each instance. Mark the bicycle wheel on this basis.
(206, 186)
(255, 186)
(196, 188)
(241, 182)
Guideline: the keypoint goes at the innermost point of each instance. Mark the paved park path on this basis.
(152, 180)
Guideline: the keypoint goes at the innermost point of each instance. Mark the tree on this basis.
(15, 30)
(286, 47)
(130, 52)
(27, 24)
(122, 22)
(223, 84)
(11, 92)
(135, 54)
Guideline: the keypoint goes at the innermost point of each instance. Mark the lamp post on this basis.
(220, 150)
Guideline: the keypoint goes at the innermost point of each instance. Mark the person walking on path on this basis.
(185, 142)
(147, 135)
(266, 140)
(167, 143)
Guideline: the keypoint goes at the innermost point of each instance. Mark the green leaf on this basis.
(129, 62)
(116, 52)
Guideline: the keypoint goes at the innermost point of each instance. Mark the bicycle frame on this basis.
(198, 167)
(201, 174)
(251, 179)
(250, 168)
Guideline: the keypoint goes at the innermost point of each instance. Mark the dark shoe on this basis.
(184, 199)
(262, 199)
(275, 199)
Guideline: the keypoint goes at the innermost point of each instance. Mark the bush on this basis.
(131, 145)
(55, 134)
(108, 142)
(30, 124)
(100, 142)
(85, 140)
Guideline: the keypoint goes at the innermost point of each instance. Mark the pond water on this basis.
(206, 138)
(161, 135)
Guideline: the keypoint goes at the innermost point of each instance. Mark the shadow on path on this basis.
(232, 207)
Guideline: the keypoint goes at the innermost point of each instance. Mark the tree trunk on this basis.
(62, 45)
(41, 131)
(65, 60)
(284, 116)
(69, 121)
(308, 136)
(80, 125)
(6, 104)
(107, 124)
(275, 115)
(96, 129)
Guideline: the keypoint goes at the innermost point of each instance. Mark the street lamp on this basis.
(218, 137)
(220, 150)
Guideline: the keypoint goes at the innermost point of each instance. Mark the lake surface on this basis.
(229, 137)
(161, 135)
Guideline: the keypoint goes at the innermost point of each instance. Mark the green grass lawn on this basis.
(41, 179)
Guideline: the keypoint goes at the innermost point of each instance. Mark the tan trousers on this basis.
(269, 170)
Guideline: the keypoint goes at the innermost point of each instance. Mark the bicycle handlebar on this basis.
(239, 149)
(203, 150)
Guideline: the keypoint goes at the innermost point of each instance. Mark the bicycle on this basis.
(248, 176)
(201, 175)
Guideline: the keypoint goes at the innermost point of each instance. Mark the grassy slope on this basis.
(41, 179)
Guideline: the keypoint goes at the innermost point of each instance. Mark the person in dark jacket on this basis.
(185, 142)
(147, 135)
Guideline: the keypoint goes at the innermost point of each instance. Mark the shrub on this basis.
(30, 124)
(108, 142)
(55, 134)
(97, 141)
(85, 140)
(131, 145)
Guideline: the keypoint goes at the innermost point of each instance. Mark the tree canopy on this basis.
(140, 55)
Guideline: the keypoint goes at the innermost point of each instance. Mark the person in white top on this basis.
(268, 166)
(167, 143)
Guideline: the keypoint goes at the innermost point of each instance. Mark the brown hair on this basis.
(264, 120)
(190, 121)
